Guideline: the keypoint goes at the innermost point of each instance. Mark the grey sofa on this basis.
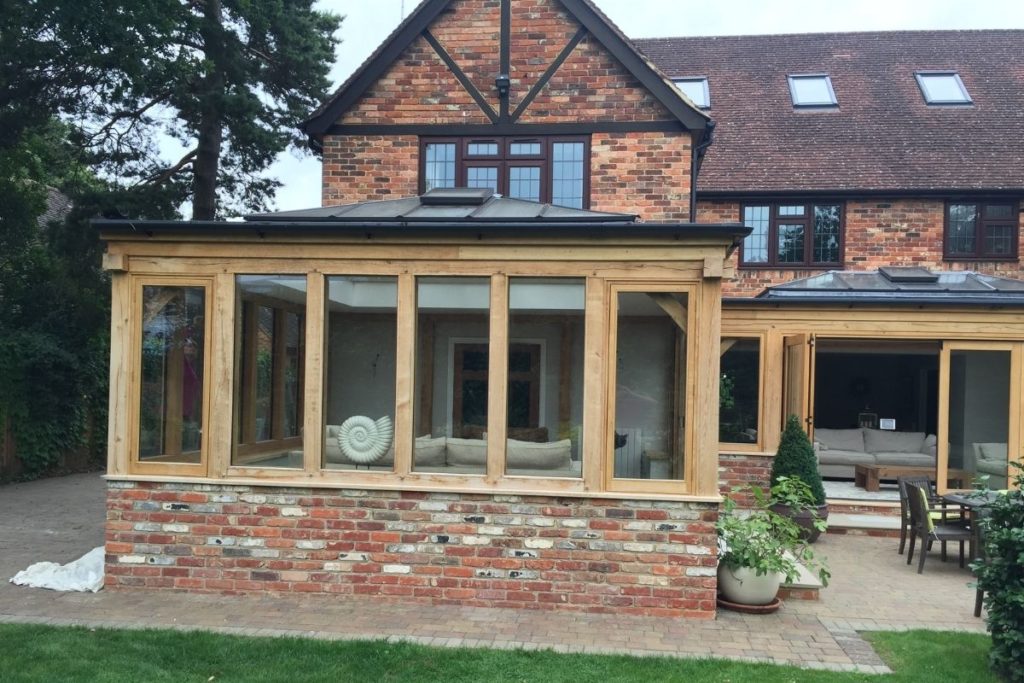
(839, 451)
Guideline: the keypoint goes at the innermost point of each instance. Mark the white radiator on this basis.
(628, 457)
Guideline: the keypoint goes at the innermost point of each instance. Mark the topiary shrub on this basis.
(796, 459)
(1001, 576)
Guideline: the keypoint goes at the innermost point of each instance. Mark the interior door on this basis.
(798, 385)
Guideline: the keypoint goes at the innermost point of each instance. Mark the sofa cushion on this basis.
(881, 441)
(538, 456)
(429, 451)
(467, 452)
(840, 439)
(840, 457)
(993, 452)
(907, 459)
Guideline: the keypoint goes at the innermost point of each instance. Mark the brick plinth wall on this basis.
(628, 556)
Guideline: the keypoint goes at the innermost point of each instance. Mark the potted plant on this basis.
(759, 549)
(796, 459)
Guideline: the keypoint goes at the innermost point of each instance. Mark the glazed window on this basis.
(545, 377)
(739, 395)
(696, 89)
(172, 374)
(792, 235)
(359, 381)
(812, 90)
(981, 231)
(650, 389)
(942, 87)
(544, 169)
(452, 374)
(269, 370)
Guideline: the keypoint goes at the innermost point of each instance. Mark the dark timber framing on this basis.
(323, 121)
(546, 76)
(505, 56)
(477, 96)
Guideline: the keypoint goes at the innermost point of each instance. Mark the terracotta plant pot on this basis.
(803, 519)
(742, 585)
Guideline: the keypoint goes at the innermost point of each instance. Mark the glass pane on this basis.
(171, 387)
(528, 147)
(650, 386)
(452, 336)
(739, 391)
(826, 234)
(524, 183)
(791, 210)
(269, 367)
(810, 90)
(359, 380)
(999, 240)
(999, 211)
(942, 88)
(696, 89)
(482, 176)
(755, 245)
(545, 377)
(963, 221)
(979, 414)
(439, 168)
(482, 149)
(791, 243)
(567, 174)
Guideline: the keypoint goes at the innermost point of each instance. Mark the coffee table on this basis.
(869, 477)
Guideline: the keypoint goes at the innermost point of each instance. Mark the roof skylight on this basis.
(812, 90)
(942, 87)
(696, 89)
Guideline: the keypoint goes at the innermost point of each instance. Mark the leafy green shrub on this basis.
(796, 459)
(1001, 576)
(765, 541)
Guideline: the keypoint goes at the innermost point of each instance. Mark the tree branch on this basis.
(122, 115)
(162, 176)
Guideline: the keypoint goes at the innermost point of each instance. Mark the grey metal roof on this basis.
(447, 205)
(917, 286)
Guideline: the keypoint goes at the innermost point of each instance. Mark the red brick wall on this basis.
(643, 173)
(357, 168)
(637, 557)
(889, 232)
(743, 471)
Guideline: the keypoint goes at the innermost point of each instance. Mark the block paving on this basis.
(872, 589)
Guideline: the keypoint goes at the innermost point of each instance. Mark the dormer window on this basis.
(812, 90)
(942, 87)
(695, 88)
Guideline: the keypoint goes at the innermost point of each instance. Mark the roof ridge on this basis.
(881, 32)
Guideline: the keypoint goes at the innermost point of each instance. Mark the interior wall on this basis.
(978, 402)
(644, 381)
(903, 387)
(360, 367)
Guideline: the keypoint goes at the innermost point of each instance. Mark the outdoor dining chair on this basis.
(942, 514)
(923, 526)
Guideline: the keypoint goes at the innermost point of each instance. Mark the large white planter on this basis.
(743, 586)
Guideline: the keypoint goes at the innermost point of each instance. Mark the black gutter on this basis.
(699, 151)
(966, 193)
(476, 228)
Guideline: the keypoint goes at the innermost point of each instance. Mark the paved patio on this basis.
(872, 589)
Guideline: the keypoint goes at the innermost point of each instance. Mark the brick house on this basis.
(487, 369)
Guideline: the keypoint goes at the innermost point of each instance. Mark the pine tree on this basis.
(796, 459)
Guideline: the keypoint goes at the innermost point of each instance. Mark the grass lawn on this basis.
(41, 653)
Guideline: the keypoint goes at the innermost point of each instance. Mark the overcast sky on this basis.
(368, 22)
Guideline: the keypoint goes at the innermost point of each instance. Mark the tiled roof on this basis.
(882, 136)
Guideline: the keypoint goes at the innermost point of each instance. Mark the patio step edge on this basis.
(842, 520)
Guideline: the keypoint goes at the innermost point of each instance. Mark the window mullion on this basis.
(313, 421)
